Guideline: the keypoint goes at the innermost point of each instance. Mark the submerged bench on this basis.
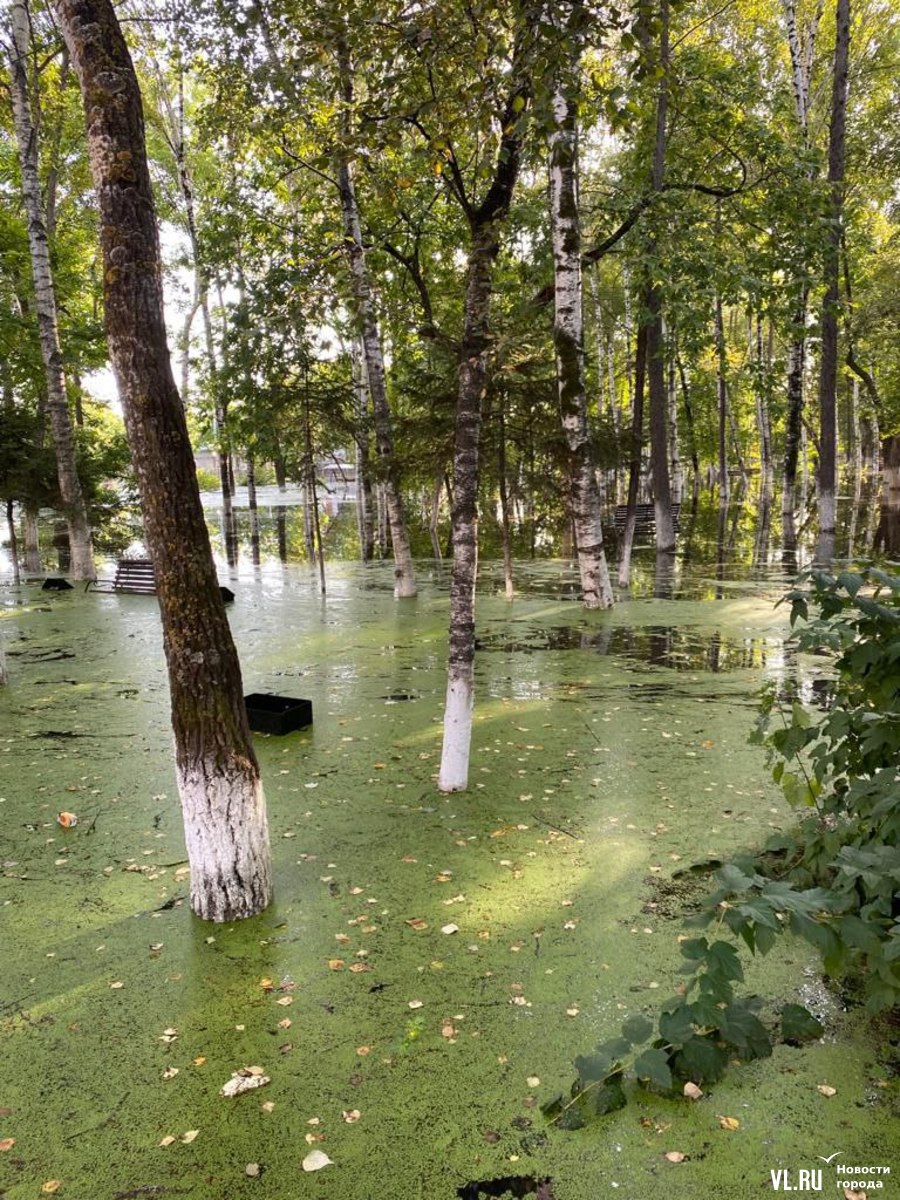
(136, 575)
(132, 575)
(645, 517)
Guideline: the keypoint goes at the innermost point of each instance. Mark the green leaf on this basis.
(745, 1032)
(799, 1025)
(700, 1059)
(610, 1097)
(653, 1066)
(722, 960)
(676, 1027)
(637, 1028)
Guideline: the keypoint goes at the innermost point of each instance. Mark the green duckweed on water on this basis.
(610, 753)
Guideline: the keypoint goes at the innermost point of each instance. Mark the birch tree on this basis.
(26, 132)
(218, 777)
(568, 327)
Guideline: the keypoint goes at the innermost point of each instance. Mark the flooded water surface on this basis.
(431, 964)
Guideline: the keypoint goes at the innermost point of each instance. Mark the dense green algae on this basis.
(602, 764)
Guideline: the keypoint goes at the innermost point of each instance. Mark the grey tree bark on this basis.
(71, 494)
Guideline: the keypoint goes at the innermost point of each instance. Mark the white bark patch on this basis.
(227, 837)
(454, 773)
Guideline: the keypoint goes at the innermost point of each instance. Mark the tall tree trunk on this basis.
(365, 504)
(676, 473)
(794, 421)
(31, 538)
(13, 539)
(827, 473)
(722, 402)
(252, 509)
(367, 324)
(568, 338)
(508, 583)
(218, 777)
(763, 419)
(656, 363)
(634, 466)
(485, 223)
(689, 419)
(73, 503)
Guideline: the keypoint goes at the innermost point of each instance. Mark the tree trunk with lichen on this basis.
(568, 340)
(218, 777)
(71, 495)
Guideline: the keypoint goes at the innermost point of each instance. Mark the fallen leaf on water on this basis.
(314, 1121)
(285, 1023)
(443, 877)
(6, 1144)
(168, 1035)
(52, 1185)
(356, 891)
(336, 964)
(692, 1091)
(250, 1071)
(117, 983)
(358, 968)
(408, 858)
(68, 820)
(573, 1011)
(267, 1106)
(416, 1004)
(491, 1136)
(267, 984)
(362, 1051)
(188, 1137)
(343, 938)
(450, 928)
(730, 1123)
(416, 923)
(312, 1138)
(351, 1115)
(167, 1140)
(284, 1000)
(238, 1084)
(252, 1170)
(825, 1090)
(533, 1081)
(448, 1030)
(854, 1195)
(316, 1160)
(286, 1048)
(199, 1060)
(674, 1156)
(519, 1000)
(170, 1073)
(570, 925)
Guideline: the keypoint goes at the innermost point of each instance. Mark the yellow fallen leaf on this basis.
(267, 1106)
(730, 1123)
(533, 1081)
(285, 1023)
(170, 1073)
(362, 1051)
(825, 1090)
(351, 1115)
(189, 1136)
(443, 877)
(283, 1001)
(448, 1030)
(416, 923)
(52, 1185)
(314, 1121)
(336, 964)
(6, 1144)
(359, 968)
(343, 938)
(267, 984)
(315, 1161)
(167, 1140)
(199, 1060)
(573, 1011)
(312, 1138)
(416, 1003)
(692, 1091)
(117, 983)
(67, 820)
(674, 1156)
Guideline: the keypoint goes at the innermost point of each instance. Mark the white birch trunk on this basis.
(75, 510)
(568, 337)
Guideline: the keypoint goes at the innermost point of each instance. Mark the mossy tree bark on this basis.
(218, 776)
(568, 340)
(73, 503)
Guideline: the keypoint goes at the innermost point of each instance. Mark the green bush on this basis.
(208, 480)
(834, 881)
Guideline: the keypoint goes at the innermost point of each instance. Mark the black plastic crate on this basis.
(277, 714)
